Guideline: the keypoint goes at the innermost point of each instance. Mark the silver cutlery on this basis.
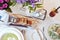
(44, 34)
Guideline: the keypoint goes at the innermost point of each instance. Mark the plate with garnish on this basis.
(52, 30)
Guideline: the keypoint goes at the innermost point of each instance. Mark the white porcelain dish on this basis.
(10, 33)
(31, 34)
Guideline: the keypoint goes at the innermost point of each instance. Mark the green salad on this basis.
(54, 31)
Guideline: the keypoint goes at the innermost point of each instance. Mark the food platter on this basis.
(54, 31)
(51, 30)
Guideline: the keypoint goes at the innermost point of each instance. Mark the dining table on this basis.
(44, 24)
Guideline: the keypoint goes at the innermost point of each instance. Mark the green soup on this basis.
(9, 36)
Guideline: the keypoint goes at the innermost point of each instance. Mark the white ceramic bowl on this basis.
(6, 33)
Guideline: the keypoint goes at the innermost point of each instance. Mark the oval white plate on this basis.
(6, 29)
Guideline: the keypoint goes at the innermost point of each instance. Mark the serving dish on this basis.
(51, 30)
(10, 33)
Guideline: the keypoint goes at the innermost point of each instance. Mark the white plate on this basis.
(31, 34)
(47, 25)
(5, 30)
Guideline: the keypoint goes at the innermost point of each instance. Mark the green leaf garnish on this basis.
(8, 10)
